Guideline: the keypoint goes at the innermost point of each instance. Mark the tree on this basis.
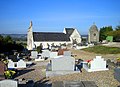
(117, 28)
(1, 38)
(115, 34)
(8, 39)
(104, 32)
(7, 45)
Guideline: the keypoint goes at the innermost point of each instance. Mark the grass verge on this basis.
(103, 50)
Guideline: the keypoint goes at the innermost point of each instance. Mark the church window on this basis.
(94, 34)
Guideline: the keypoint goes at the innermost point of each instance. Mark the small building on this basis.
(109, 38)
(68, 36)
(93, 35)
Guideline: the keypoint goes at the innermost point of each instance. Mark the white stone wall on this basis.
(51, 42)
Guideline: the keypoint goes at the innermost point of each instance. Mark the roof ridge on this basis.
(48, 32)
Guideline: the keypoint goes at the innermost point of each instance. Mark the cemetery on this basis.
(60, 65)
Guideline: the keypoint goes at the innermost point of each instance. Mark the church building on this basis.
(93, 35)
(68, 36)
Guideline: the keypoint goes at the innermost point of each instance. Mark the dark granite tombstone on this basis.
(89, 84)
(74, 84)
(117, 74)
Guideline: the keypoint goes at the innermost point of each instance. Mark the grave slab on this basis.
(8, 83)
(74, 84)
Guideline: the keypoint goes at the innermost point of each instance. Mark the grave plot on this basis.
(19, 64)
(97, 64)
(61, 66)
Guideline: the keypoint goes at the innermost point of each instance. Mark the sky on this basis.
(55, 15)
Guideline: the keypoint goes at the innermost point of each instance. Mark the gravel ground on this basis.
(101, 78)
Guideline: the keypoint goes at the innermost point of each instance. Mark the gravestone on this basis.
(97, 64)
(61, 51)
(74, 84)
(21, 64)
(67, 53)
(63, 63)
(2, 69)
(45, 54)
(11, 64)
(34, 54)
(117, 74)
(39, 58)
(8, 83)
(53, 54)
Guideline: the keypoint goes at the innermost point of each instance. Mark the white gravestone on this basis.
(8, 83)
(11, 64)
(39, 58)
(67, 53)
(45, 53)
(21, 64)
(63, 63)
(97, 64)
(53, 54)
(34, 54)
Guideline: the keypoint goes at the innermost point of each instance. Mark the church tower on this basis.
(30, 37)
(93, 35)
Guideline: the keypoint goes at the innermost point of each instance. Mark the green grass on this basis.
(103, 50)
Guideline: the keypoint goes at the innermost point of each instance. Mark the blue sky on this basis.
(55, 15)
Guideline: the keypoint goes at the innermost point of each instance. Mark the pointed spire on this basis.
(30, 23)
(93, 23)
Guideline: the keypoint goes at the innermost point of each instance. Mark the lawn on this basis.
(103, 50)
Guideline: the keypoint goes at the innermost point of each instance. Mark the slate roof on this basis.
(50, 36)
(69, 31)
(93, 28)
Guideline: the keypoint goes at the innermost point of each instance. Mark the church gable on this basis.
(69, 31)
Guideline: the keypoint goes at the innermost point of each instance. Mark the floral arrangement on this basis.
(89, 63)
(9, 74)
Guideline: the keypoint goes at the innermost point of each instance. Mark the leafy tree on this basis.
(115, 34)
(7, 45)
(1, 38)
(8, 39)
(117, 28)
(104, 32)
